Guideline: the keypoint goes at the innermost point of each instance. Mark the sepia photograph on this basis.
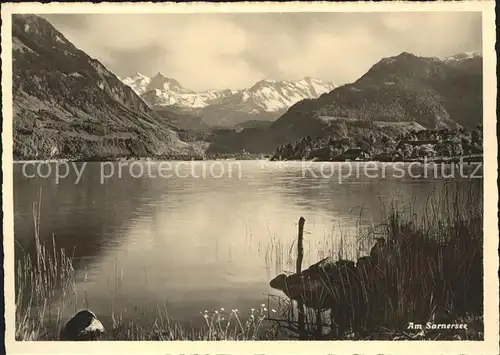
(246, 175)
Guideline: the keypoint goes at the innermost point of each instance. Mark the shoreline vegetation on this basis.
(438, 146)
(208, 157)
(465, 159)
(433, 277)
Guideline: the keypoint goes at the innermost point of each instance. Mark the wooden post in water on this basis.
(300, 256)
(300, 245)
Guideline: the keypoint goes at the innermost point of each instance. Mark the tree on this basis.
(444, 149)
(426, 150)
(306, 152)
(457, 149)
(405, 150)
(477, 137)
(335, 152)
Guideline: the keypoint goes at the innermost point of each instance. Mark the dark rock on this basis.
(84, 325)
(278, 283)
(323, 285)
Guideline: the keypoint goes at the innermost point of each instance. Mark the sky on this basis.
(234, 51)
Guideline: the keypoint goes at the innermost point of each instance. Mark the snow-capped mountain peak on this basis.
(265, 100)
(462, 56)
(162, 91)
(161, 82)
(138, 82)
(267, 96)
(272, 96)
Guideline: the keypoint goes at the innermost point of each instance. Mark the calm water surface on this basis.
(191, 243)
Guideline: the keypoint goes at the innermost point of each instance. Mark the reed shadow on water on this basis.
(424, 269)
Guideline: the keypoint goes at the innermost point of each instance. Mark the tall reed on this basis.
(434, 274)
(41, 278)
(431, 273)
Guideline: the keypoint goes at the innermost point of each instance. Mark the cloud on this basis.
(210, 53)
(206, 51)
(140, 59)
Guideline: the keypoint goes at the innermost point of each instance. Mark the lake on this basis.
(203, 235)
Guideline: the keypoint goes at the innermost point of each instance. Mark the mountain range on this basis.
(266, 100)
(69, 105)
(397, 94)
(160, 91)
(431, 91)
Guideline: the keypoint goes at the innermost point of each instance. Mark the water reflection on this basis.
(198, 243)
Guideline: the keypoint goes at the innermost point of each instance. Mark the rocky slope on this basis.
(68, 105)
(396, 95)
(433, 92)
(182, 119)
(264, 101)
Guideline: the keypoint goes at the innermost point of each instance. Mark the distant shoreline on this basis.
(435, 161)
(465, 159)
